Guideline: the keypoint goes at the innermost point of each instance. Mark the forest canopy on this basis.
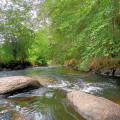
(60, 30)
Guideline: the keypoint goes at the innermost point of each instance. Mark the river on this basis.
(49, 102)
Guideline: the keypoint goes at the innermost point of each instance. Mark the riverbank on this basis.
(104, 66)
(15, 65)
(18, 65)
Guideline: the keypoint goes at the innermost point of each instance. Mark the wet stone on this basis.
(15, 84)
(92, 107)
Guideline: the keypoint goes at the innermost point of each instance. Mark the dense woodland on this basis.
(81, 33)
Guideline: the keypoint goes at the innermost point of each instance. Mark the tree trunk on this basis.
(115, 12)
(22, 54)
(114, 23)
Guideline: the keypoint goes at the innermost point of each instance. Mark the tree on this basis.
(16, 29)
(82, 29)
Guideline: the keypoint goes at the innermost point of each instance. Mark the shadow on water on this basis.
(49, 103)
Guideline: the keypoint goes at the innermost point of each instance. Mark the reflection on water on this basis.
(49, 102)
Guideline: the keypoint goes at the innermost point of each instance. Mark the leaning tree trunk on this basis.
(115, 14)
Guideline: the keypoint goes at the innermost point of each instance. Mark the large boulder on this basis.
(92, 107)
(14, 84)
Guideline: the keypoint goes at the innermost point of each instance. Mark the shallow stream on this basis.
(49, 102)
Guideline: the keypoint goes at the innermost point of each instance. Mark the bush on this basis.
(84, 66)
(41, 61)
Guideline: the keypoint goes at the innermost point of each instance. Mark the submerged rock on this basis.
(92, 107)
(14, 84)
(45, 81)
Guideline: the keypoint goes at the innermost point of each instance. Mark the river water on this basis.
(49, 102)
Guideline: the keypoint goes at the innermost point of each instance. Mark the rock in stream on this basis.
(14, 84)
(92, 107)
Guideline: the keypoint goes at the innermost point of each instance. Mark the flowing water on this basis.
(49, 102)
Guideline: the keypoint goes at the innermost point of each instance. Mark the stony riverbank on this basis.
(104, 66)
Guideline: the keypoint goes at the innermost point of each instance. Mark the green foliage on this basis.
(84, 66)
(80, 29)
(83, 29)
(17, 35)
(41, 61)
(40, 46)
